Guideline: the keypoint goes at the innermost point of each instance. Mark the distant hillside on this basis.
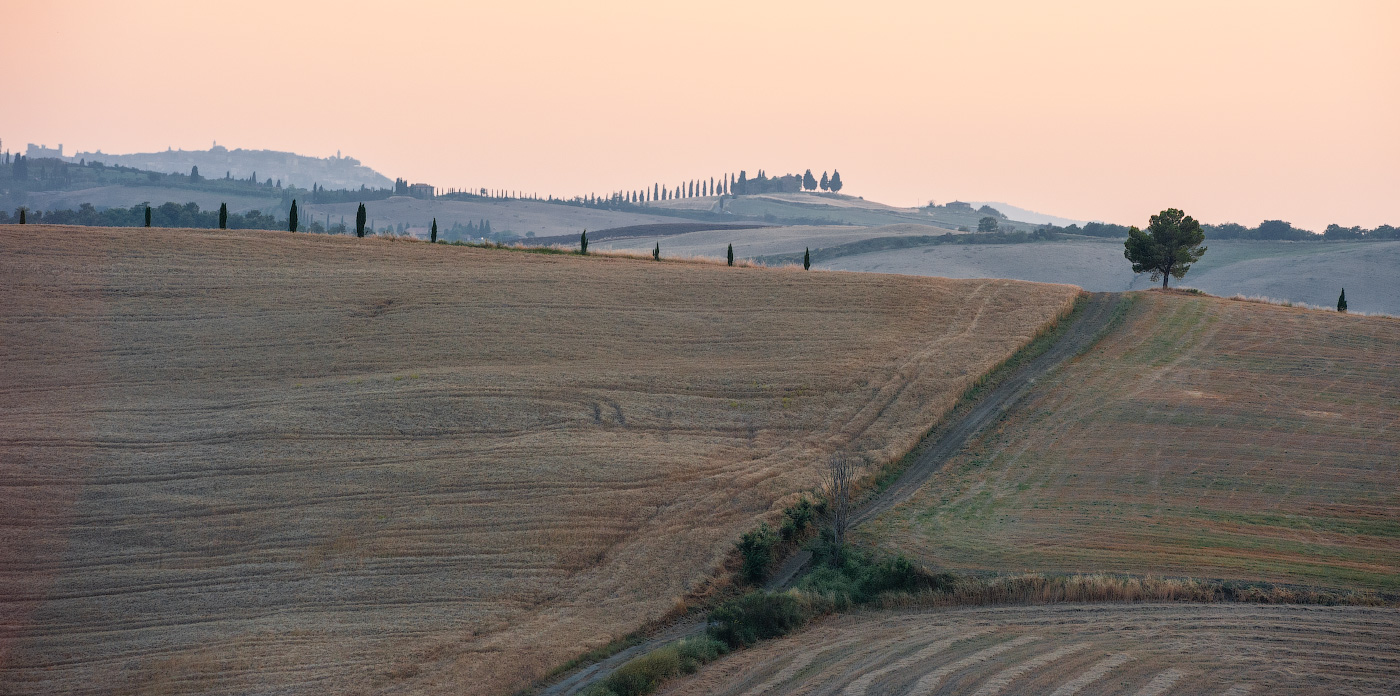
(288, 167)
(1018, 213)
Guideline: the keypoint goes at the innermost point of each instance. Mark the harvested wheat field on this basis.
(1202, 437)
(254, 462)
(1140, 649)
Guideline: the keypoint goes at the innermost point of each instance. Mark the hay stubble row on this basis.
(255, 461)
(1072, 649)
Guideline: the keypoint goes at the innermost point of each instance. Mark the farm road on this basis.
(936, 448)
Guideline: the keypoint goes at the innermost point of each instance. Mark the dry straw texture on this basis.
(1073, 649)
(1203, 437)
(257, 461)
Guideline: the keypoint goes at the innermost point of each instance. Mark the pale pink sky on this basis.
(1112, 110)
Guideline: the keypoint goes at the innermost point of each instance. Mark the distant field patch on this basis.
(1203, 437)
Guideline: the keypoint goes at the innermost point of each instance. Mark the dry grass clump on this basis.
(246, 461)
(1039, 588)
(1262, 299)
(1203, 437)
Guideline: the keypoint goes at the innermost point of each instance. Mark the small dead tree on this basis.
(840, 472)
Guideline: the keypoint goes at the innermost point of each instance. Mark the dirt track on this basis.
(936, 447)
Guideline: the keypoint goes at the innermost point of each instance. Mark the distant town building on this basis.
(292, 169)
(425, 191)
(39, 151)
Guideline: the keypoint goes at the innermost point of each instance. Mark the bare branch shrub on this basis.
(840, 472)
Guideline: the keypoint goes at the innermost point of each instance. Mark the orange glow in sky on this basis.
(1112, 110)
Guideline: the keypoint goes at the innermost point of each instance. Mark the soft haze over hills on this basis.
(1276, 109)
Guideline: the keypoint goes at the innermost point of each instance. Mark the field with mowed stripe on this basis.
(1202, 437)
(240, 462)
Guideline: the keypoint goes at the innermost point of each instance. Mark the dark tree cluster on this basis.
(165, 215)
(1336, 232)
(471, 230)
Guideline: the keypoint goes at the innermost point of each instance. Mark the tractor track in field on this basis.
(936, 447)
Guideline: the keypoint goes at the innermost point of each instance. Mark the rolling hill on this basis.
(1300, 272)
(239, 462)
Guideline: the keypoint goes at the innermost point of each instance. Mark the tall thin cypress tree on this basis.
(22, 220)
(223, 216)
(583, 243)
(292, 217)
(361, 216)
(731, 254)
(1342, 301)
(433, 238)
(656, 253)
(807, 259)
(148, 216)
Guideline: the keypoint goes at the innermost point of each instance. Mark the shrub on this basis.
(698, 651)
(756, 548)
(846, 576)
(644, 674)
(796, 519)
(759, 615)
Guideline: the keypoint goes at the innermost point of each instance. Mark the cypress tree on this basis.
(835, 181)
(1342, 301)
(22, 220)
(148, 216)
(583, 243)
(433, 238)
(656, 253)
(360, 218)
(825, 183)
(292, 217)
(807, 259)
(223, 216)
(731, 254)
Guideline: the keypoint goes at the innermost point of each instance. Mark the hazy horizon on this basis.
(1098, 111)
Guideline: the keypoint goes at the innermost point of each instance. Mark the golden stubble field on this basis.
(1063, 650)
(242, 462)
(1203, 437)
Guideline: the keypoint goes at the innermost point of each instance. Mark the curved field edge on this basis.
(791, 556)
(877, 479)
(243, 461)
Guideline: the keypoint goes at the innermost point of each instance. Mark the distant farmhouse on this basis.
(218, 161)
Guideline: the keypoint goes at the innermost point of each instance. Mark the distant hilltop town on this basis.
(289, 168)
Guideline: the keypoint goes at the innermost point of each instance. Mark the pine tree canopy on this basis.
(1167, 249)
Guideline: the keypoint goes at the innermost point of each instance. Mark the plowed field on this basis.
(1062, 650)
(1202, 437)
(247, 462)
